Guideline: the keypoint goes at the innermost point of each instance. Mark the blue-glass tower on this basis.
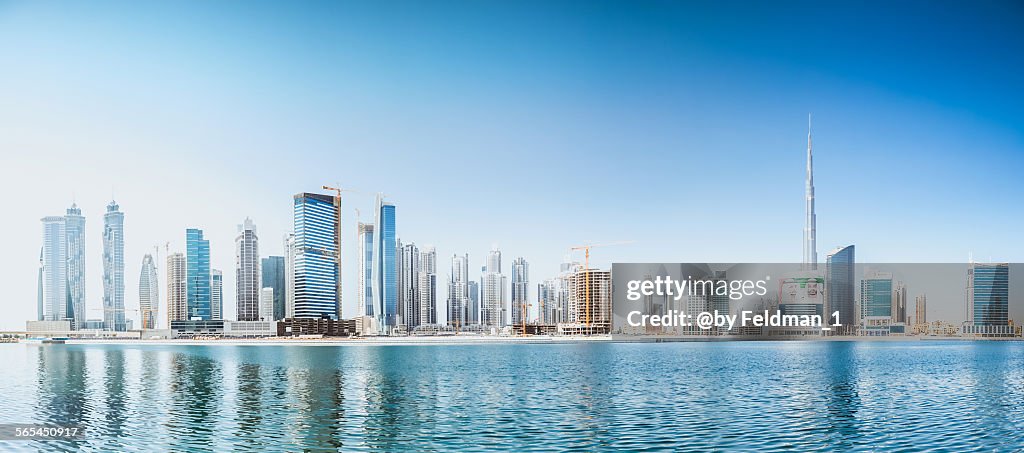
(198, 300)
(386, 264)
(839, 281)
(989, 287)
(316, 269)
(274, 277)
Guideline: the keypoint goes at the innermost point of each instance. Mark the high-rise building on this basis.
(839, 288)
(113, 269)
(364, 293)
(566, 271)
(988, 291)
(289, 275)
(876, 294)
(316, 251)
(266, 305)
(493, 292)
(55, 270)
(590, 301)
(427, 287)
(899, 303)
(472, 307)
(458, 292)
(385, 269)
(810, 261)
(216, 294)
(409, 285)
(75, 232)
(921, 309)
(273, 270)
(198, 298)
(40, 300)
(547, 301)
(149, 293)
(520, 291)
(176, 288)
(247, 273)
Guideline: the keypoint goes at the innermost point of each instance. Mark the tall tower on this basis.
(247, 273)
(520, 290)
(176, 288)
(810, 261)
(459, 312)
(113, 269)
(385, 272)
(75, 232)
(55, 270)
(315, 248)
(428, 286)
(198, 302)
(149, 292)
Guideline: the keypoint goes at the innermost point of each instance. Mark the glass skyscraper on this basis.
(385, 265)
(365, 290)
(988, 287)
(113, 269)
(520, 291)
(876, 303)
(273, 270)
(316, 271)
(75, 231)
(55, 270)
(216, 294)
(839, 289)
(198, 295)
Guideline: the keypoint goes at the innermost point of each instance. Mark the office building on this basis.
(113, 269)
(316, 250)
(988, 291)
(247, 273)
(493, 292)
(149, 293)
(385, 270)
(364, 292)
(458, 292)
(839, 288)
(55, 270)
(273, 270)
(427, 287)
(266, 308)
(216, 294)
(176, 288)
(472, 310)
(876, 295)
(520, 291)
(75, 232)
(198, 297)
(408, 284)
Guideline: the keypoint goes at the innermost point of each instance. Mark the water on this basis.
(778, 396)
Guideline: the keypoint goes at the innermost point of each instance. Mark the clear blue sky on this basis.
(533, 125)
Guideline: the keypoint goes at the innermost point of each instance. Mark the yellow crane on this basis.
(586, 269)
(337, 237)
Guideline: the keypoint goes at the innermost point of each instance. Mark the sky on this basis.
(534, 126)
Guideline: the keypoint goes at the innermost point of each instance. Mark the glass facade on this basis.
(876, 296)
(839, 287)
(989, 290)
(316, 271)
(274, 277)
(198, 296)
(387, 276)
(113, 269)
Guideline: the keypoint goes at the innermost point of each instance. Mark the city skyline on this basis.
(929, 151)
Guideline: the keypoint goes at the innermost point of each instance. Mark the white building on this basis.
(247, 273)
(149, 293)
(267, 304)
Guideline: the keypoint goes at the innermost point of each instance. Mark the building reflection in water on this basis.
(842, 400)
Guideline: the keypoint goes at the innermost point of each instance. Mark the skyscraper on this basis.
(547, 301)
(176, 288)
(472, 307)
(149, 293)
(266, 305)
(273, 270)
(316, 270)
(428, 287)
(590, 301)
(289, 275)
(247, 273)
(39, 299)
(493, 292)
(75, 231)
(113, 269)
(385, 266)
(364, 292)
(876, 294)
(520, 291)
(198, 297)
(55, 270)
(988, 291)
(839, 288)
(810, 261)
(409, 285)
(216, 294)
(899, 303)
(921, 309)
(458, 293)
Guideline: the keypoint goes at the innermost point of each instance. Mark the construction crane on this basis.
(337, 237)
(586, 269)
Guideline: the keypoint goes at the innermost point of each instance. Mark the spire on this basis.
(810, 261)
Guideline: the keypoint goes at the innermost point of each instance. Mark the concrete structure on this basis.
(316, 250)
(520, 291)
(899, 304)
(149, 293)
(319, 327)
(408, 286)
(921, 309)
(427, 286)
(198, 328)
(176, 288)
(247, 273)
(249, 329)
(590, 303)
(547, 302)
(493, 292)
(266, 311)
(113, 269)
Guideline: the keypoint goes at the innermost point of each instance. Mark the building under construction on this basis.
(590, 303)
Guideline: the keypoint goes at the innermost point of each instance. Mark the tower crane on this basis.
(586, 269)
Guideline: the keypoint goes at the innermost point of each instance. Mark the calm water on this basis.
(793, 396)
